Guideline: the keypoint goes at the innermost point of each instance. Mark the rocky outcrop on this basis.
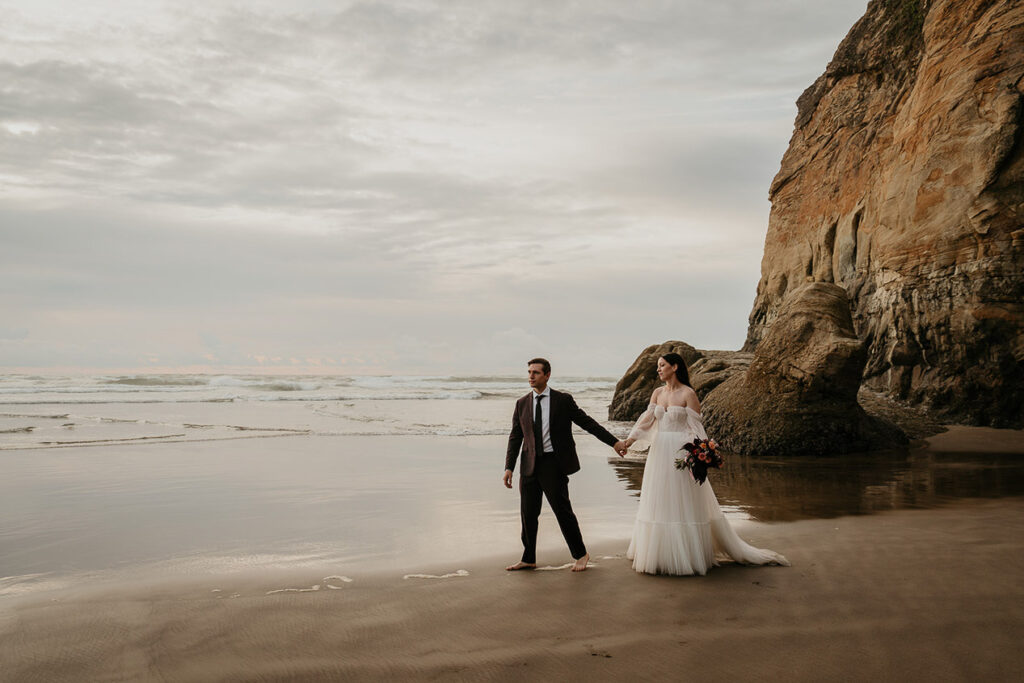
(714, 367)
(799, 395)
(707, 370)
(903, 184)
(633, 391)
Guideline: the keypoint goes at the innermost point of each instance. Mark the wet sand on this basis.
(964, 439)
(903, 595)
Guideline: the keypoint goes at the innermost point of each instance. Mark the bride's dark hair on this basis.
(682, 374)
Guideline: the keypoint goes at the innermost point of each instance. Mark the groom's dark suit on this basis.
(548, 473)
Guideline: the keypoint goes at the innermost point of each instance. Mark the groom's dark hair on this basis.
(544, 364)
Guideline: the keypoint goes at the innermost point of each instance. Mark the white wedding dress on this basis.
(680, 526)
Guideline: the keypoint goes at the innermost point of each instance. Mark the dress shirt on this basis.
(546, 413)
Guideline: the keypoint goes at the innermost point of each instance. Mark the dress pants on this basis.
(549, 480)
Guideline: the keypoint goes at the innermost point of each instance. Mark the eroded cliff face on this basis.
(904, 185)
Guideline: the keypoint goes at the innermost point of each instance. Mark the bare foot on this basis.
(520, 566)
(581, 564)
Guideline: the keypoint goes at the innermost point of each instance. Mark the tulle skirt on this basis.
(680, 528)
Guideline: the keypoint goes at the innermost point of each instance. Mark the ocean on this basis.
(52, 412)
(119, 475)
(106, 478)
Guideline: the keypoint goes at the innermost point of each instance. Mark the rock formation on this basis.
(903, 184)
(707, 370)
(633, 391)
(799, 395)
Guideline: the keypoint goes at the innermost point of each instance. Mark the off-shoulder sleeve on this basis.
(696, 423)
(645, 426)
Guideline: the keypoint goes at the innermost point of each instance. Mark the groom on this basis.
(545, 416)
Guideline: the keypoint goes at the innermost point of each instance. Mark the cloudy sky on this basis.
(390, 187)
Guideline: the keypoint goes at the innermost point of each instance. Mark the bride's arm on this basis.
(644, 427)
(692, 402)
(696, 421)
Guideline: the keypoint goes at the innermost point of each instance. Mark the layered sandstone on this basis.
(903, 184)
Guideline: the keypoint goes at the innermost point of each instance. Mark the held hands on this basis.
(621, 447)
(507, 479)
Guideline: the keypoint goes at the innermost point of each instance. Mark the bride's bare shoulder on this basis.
(656, 394)
(690, 396)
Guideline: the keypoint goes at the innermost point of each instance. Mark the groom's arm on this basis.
(590, 424)
(515, 441)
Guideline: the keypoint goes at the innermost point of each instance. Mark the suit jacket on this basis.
(564, 412)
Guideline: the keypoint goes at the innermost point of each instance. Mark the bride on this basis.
(679, 525)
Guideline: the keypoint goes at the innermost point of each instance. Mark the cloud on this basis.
(13, 333)
(318, 182)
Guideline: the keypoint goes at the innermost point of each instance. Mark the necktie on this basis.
(538, 428)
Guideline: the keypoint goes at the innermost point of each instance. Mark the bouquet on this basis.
(700, 455)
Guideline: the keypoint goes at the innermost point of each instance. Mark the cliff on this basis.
(903, 184)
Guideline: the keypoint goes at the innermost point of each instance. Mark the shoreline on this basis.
(909, 594)
(926, 593)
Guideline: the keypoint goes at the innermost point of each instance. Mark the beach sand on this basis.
(904, 595)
